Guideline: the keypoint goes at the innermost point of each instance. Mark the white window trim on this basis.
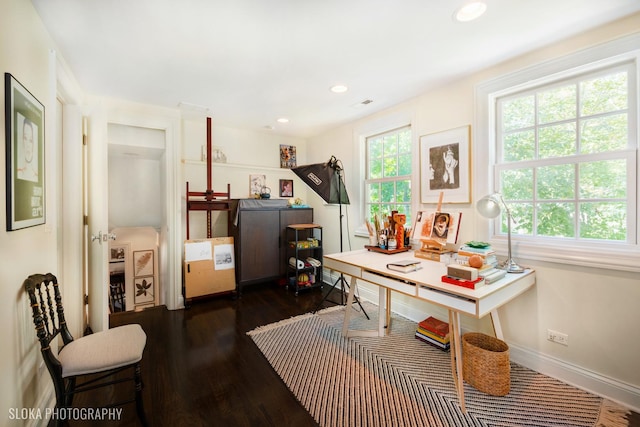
(375, 127)
(611, 256)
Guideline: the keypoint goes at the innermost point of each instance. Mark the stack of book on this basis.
(434, 332)
(491, 274)
(487, 254)
(489, 271)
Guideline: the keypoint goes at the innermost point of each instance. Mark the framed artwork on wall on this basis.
(286, 188)
(143, 263)
(117, 253)
(144, 290)
(445, 166)
(287, 156)
(256, 184)
(25, 173)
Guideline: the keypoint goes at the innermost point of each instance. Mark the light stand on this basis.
(327, 181)
(343, 282)
(490, 206)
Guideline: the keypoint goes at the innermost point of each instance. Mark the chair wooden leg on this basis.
(139, 404)
(70, 389)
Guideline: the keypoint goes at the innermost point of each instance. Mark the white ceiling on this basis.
(250, 62)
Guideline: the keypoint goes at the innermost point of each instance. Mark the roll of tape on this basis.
(293, 262)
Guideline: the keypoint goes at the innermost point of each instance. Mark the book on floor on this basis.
(443, 340)
(428, 340)
(436, 326)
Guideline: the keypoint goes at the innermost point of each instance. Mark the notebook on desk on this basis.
(405, 266)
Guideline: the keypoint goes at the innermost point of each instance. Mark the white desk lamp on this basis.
(490, 206)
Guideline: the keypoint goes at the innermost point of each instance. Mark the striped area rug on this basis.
(398, 380)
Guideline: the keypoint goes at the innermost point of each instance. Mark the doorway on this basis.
(136, 207)
(135, 144)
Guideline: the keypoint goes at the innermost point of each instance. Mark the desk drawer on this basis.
(342, 267)
(389, 282)
(450, 301)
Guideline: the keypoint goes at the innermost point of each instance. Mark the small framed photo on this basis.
(445, 166)
(24, 121)
(117, 253)
(287, 156)
(286, 188)
(142, 263)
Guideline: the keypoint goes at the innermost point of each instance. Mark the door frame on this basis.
(171, 235)
(70, 145)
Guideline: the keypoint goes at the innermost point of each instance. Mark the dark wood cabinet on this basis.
(259, 232)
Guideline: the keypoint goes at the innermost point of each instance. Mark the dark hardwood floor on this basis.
(201, 369)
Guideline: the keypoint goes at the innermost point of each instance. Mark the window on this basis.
(566, 157)
(388, 174)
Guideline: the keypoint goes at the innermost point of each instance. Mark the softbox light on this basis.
(324, 179)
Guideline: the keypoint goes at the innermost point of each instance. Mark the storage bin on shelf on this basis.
(485, 363)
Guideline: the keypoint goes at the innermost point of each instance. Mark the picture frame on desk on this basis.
(440, 227)
(445, 166)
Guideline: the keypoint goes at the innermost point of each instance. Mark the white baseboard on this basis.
(625, 394)
(609, 388)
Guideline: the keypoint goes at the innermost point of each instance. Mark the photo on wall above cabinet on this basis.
(256, 184)
(286, 188)
(287, 156)
(445, 166)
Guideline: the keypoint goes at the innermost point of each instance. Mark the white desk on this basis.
(426, 284)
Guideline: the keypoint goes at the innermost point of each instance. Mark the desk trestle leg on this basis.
(456, 356)
(346, 332)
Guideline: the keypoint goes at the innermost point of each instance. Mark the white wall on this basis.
(597, 308)
(32, 250)
(136, 184)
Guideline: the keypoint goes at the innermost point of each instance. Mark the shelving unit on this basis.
(304, 244)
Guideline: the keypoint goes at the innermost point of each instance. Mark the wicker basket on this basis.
(485, 363)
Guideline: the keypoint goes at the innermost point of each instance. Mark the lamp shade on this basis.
(489, 206)
(324, 179)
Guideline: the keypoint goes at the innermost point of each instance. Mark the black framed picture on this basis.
(24, 117)
(286, 188)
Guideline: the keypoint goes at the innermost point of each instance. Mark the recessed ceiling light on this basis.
(339, 89)
(283, 120)
(470, 11)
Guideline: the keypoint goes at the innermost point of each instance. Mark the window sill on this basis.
(610, 257)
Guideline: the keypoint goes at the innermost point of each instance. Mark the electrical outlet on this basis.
(557, 337)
